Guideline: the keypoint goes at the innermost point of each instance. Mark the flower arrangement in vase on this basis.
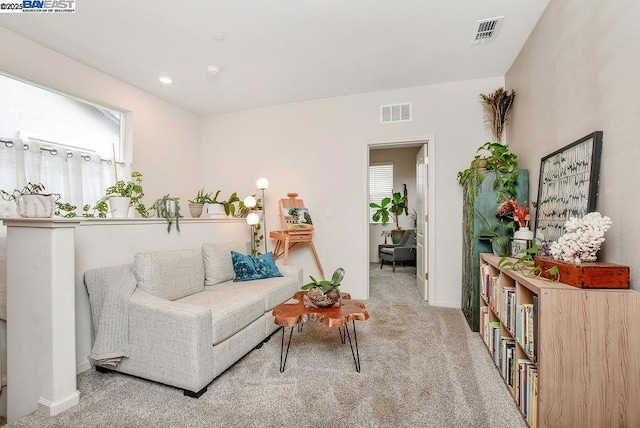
(519, 214)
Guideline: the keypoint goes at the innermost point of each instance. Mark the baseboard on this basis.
(83, 367)
(456, 305)
(52, 408)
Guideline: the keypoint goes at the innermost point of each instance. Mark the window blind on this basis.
(380, 184)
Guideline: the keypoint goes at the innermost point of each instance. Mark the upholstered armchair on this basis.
(403, 251)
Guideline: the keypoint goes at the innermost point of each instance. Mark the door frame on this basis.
(429, 140)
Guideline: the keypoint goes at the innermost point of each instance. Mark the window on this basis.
(380, 184)
(63, 142)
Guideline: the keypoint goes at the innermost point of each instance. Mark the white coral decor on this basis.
(582, 239)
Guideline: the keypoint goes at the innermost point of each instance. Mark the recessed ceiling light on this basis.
(219, 36)
(165, 79)
(213, 70)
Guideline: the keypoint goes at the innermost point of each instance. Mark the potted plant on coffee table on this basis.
(325, 293)
(390, 208)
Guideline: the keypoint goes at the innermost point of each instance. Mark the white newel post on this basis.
(41, 355)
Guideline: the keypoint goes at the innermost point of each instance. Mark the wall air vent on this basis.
(395, 113)
(486, 30)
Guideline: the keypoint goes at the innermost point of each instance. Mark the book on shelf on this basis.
(534, 350)
(484, 320)
(485, 280)
(524, 327)
(524, 389)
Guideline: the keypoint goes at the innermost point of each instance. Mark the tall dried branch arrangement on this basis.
(497, 108)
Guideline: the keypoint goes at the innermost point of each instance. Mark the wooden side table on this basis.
(296, 314)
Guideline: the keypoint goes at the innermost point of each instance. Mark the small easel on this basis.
(295, 229)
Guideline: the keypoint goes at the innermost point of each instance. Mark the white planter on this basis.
(119, 206)
(215, 210)
(523, 233)
(36, 206)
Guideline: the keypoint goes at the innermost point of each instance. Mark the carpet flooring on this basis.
(421, 367)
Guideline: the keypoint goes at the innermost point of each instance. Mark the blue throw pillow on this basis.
(248, 267)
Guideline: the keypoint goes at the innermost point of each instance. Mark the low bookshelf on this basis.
(568, 356)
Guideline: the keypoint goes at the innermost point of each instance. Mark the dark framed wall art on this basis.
(568, 185)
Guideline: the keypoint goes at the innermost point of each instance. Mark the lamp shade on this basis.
(253, 219)
(250, 202)
(262, 183)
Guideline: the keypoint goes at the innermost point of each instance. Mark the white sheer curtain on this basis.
(79, 178)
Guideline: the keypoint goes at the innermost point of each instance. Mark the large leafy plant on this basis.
(389, 208)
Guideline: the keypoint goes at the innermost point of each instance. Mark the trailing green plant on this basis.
(29, 189)
(101, 208)
(202, 198)
(229, 207)
(244, 211)
(500, 160)
(325, 285)
(65, 210)
(258, 237)
(168, 207)
(524, 262)
(389, 208)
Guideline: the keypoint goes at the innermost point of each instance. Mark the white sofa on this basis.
(177, 317)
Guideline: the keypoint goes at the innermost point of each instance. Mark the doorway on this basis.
(411, 160)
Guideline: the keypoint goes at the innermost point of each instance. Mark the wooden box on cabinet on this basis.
(587, 274)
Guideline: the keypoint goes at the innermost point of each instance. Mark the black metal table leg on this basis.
(284, 363)
(356, 354)
(343, 335)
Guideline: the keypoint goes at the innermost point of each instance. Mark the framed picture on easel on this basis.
(568, 185)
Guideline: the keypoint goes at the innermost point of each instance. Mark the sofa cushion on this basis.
(273, 291)
(217, 261)
(169, 275)
(248, 267)
(231, 310)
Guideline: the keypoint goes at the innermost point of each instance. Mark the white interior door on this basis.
(422, 242)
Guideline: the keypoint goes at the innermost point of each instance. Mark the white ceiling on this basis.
(282, 51)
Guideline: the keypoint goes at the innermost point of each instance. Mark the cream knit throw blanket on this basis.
(110, 289)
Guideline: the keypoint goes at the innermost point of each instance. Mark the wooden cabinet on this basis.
(477, 203)
(581, 348)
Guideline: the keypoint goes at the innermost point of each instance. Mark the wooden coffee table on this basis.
(296, 314)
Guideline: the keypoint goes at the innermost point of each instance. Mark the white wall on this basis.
(166, 138)
(578, 73)
(404, 172)
(319, 149)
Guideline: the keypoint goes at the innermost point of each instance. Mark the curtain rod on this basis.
(54, 152)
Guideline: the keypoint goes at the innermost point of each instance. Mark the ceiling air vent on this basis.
(487, 30)
(395, 113)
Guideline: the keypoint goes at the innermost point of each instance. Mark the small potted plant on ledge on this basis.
(390, 208)
(125, 194)
(324, 293)
(31, 202)
(223, 208)
(197, 204)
